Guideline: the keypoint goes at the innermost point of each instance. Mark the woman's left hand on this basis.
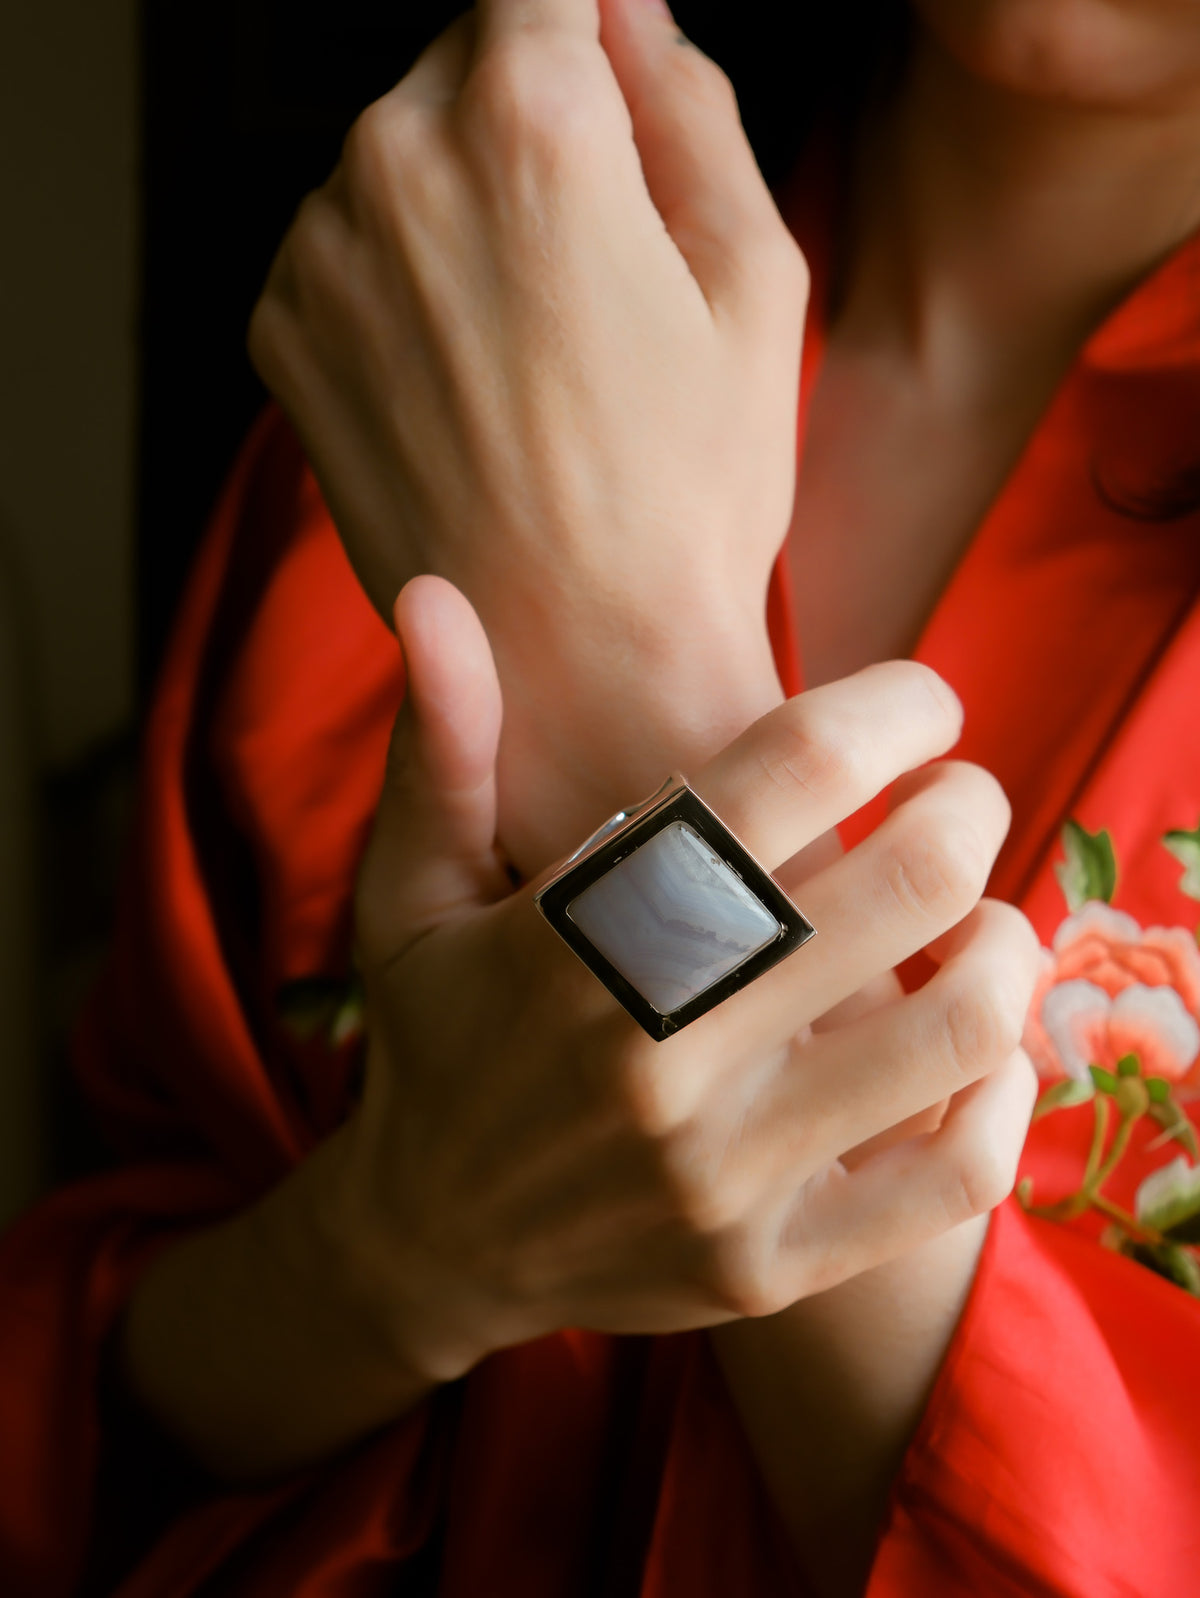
(540, 333)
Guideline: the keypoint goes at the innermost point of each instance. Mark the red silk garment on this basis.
(1060, 1453)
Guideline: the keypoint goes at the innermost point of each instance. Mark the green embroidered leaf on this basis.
(1062, 1095)
(1105, 1081)
(1171, 1261)
(350, 1020)
(1176, 1125)
(309, 1004)
(1169, 1198)
(1128, 1065)
(330, 1006)
(1185, 846)
(1158, 1088)
(1090, 869)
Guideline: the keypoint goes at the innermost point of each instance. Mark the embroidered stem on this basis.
(1098, 1169)
(1119, 1144)
(1131, 1224)
(1101, 1111)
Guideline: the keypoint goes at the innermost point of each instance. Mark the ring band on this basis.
(670, 910)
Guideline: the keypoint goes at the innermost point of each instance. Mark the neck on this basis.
(985, 215)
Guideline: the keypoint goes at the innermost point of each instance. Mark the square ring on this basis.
(670, 910)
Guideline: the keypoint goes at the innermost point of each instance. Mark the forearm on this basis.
(253, 1345)
(831, 1391)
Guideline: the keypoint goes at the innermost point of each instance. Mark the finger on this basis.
(499, 19)
(903, 1197)
(817, 758)
(874, 995)
(916, 876)
(882, 990)
(697, 161)
(858, 1082)
(432, 850)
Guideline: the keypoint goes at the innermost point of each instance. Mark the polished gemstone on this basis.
(673, 918)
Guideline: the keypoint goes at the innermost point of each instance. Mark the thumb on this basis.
(698, 164)
(433, 850)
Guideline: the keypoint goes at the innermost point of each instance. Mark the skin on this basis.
(1009, 198)
(538, 107)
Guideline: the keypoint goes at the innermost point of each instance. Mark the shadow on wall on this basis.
(62, 836)
(22, 1122)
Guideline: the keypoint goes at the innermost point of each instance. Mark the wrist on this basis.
(586, 737)
(402, 1307)
(244, 1346)
(831, 1390)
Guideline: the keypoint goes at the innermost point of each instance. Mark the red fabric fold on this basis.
(1058, 1455)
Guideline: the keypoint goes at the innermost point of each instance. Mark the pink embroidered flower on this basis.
(1110, 987)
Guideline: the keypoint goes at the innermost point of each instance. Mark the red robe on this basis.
(1060, 1452)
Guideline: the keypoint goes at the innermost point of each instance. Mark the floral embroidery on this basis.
(1109, 988)
(325, 1007)
(1115, 1022)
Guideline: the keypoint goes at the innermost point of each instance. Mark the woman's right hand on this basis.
(524, 1158)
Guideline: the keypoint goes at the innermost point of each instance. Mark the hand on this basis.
(540, 333)
(524, 1158)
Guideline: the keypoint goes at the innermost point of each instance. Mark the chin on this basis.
(1117, 54)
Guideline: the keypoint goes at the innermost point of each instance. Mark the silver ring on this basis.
(670, 910)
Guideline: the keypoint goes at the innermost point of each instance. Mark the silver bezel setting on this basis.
(620, 837)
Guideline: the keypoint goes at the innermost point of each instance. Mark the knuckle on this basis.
(939, 868)
(697, 75)
(393, 164)
(927, 686)
(984, 1020)
(644, 1092)
(1019, 940)
(498, 94)
(707, 1207)
(769, 264)
(380, 141)
(368, 148)
(981, 1177)
(788, 262)
(812, 752)
(306, 271)
(315, 250)
(705, 1194)
(737, 1284)
(980, 794)
(266, 337)
(530, 100)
